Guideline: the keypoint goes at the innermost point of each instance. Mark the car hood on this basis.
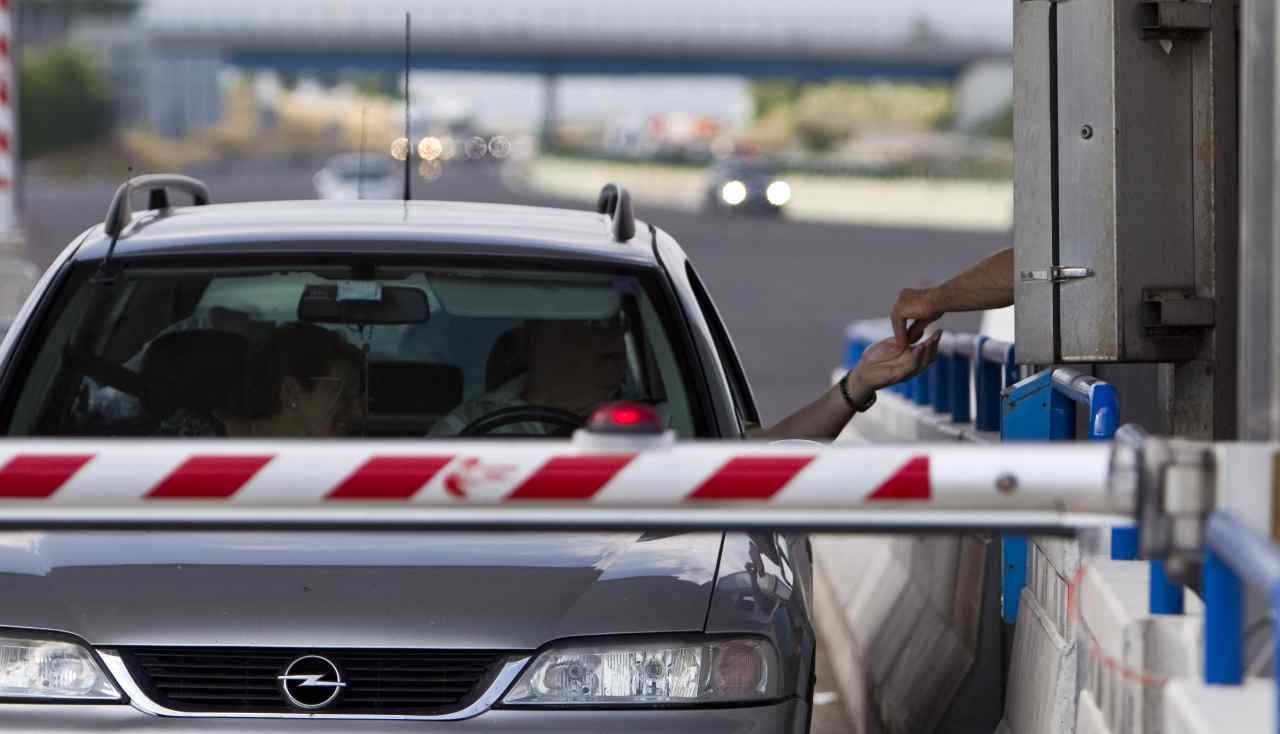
(304, 589)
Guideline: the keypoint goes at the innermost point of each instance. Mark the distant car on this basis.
(746, 186)
(347, 176)
(148, 317)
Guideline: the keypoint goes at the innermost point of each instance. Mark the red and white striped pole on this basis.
(9, 229)
(527, 485)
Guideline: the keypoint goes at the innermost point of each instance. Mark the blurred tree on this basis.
(999, 125)
(374, 83)
(64, 101)
(824, 117)
(827, 114)
(771, 95)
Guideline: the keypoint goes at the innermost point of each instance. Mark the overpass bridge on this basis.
(190, 40)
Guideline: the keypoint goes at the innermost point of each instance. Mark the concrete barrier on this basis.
(911, 624)
(901, 618)
(1191, 707)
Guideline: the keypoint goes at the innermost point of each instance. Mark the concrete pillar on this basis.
(1259, 395)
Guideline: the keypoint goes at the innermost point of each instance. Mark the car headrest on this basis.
(200, 369)
(508, 358)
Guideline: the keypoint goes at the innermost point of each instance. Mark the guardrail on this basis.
(975, 381)
(1235, 554)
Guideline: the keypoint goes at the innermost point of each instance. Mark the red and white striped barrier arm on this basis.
(554, 484)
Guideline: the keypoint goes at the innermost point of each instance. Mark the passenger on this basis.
(989, 284)
(308, 383)
(576, 365)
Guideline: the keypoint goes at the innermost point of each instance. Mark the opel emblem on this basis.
(311, 682)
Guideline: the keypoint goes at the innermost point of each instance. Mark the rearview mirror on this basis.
(363, 302)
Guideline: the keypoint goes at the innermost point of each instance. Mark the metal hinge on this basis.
(1055, 274)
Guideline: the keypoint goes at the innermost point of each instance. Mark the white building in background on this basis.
(982, 92)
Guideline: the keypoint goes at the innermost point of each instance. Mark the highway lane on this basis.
(786, 289)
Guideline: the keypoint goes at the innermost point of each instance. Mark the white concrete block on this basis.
(853, 562)
(1190, 707)
(1049, 587)
(838, 645)
(1042, 674)
(1112, 594)
(1129, 651)
(966, 611)
(933, 567)
(1062, 553)
(892, 600)
(1089, 719)
(931, 660)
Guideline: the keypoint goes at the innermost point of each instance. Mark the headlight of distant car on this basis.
(674, 671)
(778, 193)
(42, 668)
(733, 193)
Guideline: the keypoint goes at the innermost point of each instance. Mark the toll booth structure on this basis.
(1146, 272)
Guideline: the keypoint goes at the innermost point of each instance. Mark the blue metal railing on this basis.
(975, 380)
(1235, 554)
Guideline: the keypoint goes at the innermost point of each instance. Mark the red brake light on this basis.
(625, 418)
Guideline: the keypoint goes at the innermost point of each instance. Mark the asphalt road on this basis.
(786, 289)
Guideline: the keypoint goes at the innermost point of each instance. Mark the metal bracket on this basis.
(1175, 309)
(1175, 484)
(1173, 20)
(1054, 274)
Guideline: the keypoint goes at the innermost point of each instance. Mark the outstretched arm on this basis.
(989, 284)
(883, 364)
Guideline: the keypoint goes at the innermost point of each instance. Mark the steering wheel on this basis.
(564, 421)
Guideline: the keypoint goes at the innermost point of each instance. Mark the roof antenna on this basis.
(364, 116)
(408, 144)
(104, 273)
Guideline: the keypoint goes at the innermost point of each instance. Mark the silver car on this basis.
(167, 324)
(358, 176)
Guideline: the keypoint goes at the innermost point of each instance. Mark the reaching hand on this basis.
(885, 363)
(913, 306)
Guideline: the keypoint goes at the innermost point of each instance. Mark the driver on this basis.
(574, 365)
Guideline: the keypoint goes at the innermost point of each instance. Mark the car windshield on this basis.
(346, 351)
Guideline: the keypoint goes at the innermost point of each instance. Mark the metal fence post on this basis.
(1104, 411)
(943, 385)
(1223, 622)
(1104, 419)
(1027, 414)
(986, 377)
(961, 373)
(924, 387)
(1165, 597)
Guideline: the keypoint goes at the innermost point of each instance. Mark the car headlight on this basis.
(733, 193)
(778, 193)
(35, 668)
(672, 671)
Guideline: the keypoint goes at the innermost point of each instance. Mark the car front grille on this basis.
(388, 682)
